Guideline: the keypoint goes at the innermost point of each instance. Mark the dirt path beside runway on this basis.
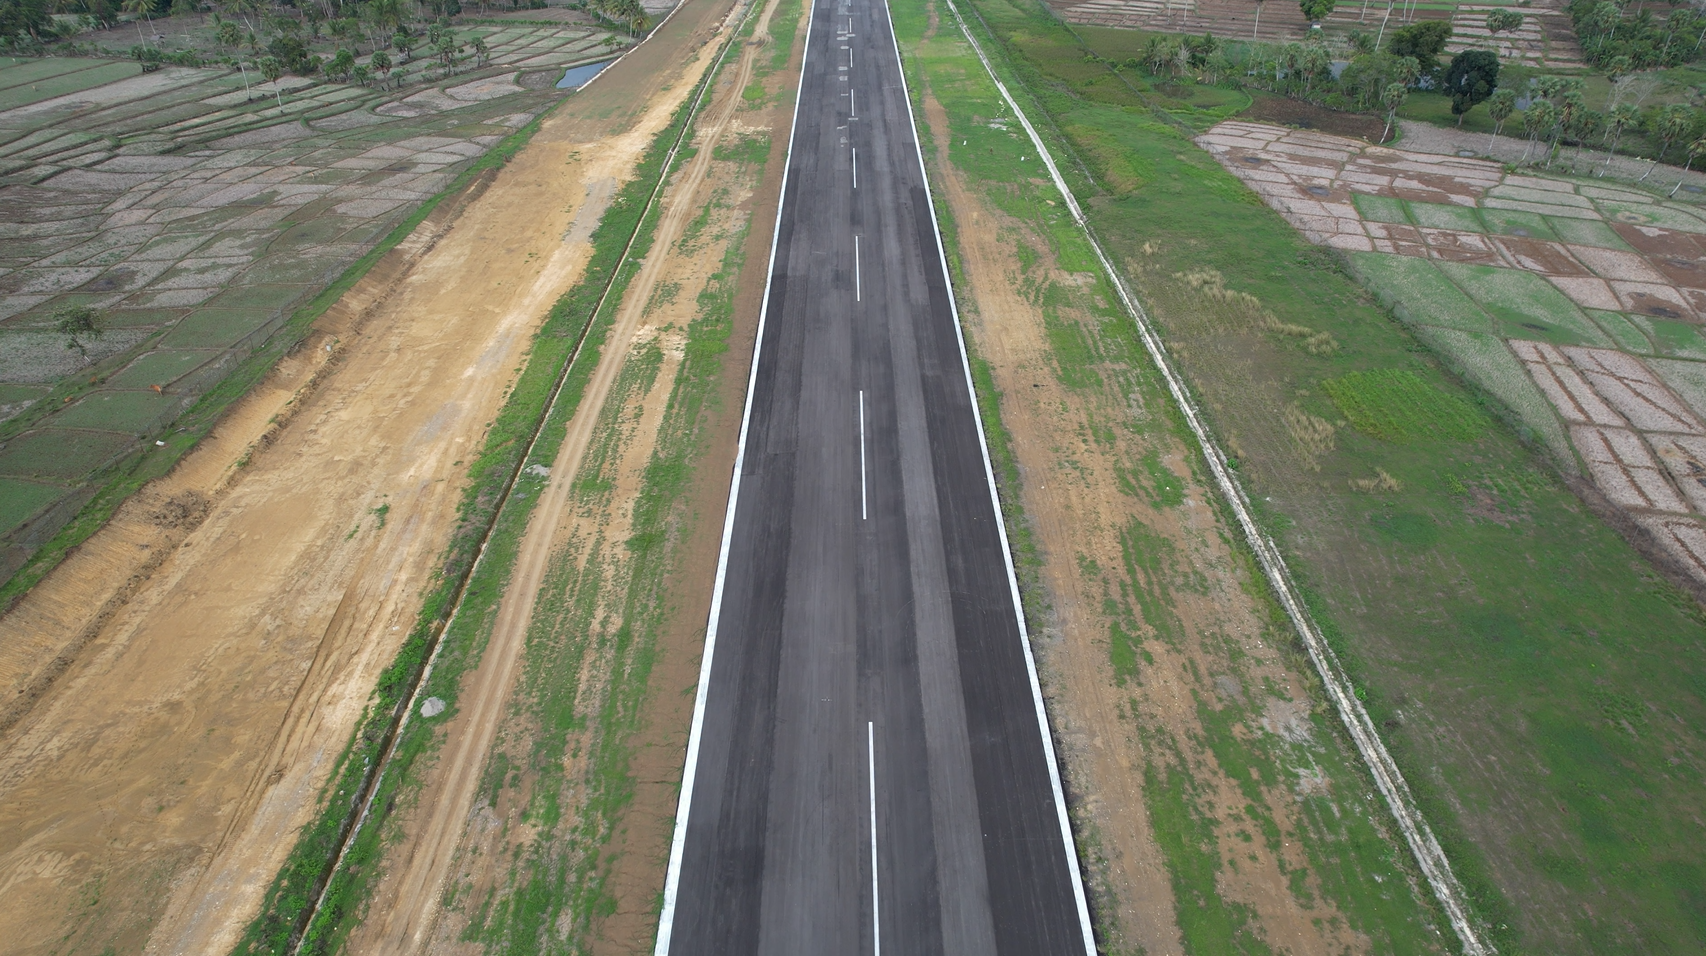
(407, 906)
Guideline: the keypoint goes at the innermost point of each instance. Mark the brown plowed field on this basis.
(211, 649)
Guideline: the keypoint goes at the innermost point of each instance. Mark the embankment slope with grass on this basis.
(1216, 802)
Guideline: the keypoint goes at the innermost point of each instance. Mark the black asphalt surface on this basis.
(866, 606)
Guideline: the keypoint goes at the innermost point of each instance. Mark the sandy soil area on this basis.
(459, 843)
(216, 643)
(405, 914)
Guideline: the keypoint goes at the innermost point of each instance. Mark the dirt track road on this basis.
(148, 797)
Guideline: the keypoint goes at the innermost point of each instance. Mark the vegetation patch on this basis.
(1398, 405)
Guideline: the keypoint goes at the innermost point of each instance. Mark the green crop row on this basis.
(1398, 405)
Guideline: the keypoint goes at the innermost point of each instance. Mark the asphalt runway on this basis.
(867, 772)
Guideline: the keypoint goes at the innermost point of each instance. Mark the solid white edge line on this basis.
(1068, 845)
(876, 911)
(678, 843)
(863, 512)
(1429, 855)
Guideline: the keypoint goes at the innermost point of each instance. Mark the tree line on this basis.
(1555, 116)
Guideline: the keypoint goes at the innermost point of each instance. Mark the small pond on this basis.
(577, 76)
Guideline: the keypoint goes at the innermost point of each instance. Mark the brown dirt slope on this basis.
(405, 915)
(213, 666)
(599, 634)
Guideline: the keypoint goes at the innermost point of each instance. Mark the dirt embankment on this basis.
(1155, 655)
(447, 839)
(216, 643)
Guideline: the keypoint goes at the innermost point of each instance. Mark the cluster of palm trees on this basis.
(1557, 113)
(627, 14)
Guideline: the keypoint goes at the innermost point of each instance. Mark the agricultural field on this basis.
(195, 211)
(1579, 304)
(1534, 675)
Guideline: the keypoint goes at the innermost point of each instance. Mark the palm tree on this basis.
(1569, 109)
(1313, 63)
(139, 8)
(272, 69)
(1695, 150)
(1621, 117)
(1383, 20)
(1500, 106)
(1585, 124)
(1393, 98)
(242, 8)
(1536, 120)
(387, 14)
(1674, 122)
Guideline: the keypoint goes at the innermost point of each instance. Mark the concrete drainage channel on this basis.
(433, 706)
(1426, 849)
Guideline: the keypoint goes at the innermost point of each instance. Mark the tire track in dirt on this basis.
(405, 915)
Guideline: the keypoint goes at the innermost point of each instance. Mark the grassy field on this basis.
(1541, 687)
(1215, 785)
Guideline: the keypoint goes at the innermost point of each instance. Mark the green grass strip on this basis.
(1397, 405)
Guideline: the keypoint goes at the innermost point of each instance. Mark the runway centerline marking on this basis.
(876, 914)
(855, 167)
(858, 283)
(863, 513)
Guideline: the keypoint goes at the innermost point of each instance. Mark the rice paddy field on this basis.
(197, 211)
(1554, 295)
(1425, 380)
